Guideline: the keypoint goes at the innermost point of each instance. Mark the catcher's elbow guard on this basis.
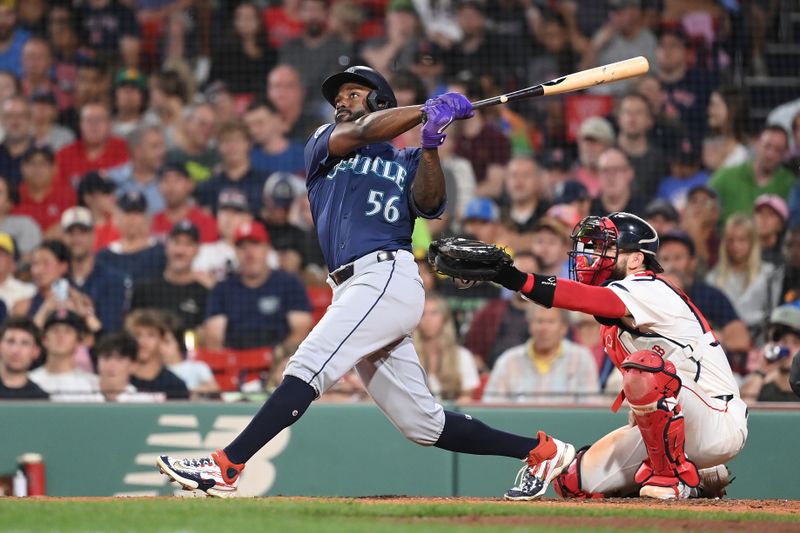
(540, 289)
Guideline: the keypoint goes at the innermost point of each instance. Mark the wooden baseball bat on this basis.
(621, 70)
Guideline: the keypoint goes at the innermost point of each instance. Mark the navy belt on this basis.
(343, 273)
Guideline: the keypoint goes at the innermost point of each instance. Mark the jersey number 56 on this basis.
(376, 205)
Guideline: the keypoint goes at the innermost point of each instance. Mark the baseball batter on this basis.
(686, 413)
(365, 196)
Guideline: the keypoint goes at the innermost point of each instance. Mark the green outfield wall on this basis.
(335, 450)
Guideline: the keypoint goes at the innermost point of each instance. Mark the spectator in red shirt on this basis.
(176, 187)
(99, 195)
(97, 149)
(40, 196)
(283, 22)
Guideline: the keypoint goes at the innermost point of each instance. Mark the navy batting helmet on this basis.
(380, 97)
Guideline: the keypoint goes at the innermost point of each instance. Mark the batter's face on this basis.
(351, 102)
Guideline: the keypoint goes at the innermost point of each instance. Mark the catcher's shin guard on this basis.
(568, 483)
(651, 387)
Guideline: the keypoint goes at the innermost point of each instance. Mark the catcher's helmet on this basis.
(597, 241)
(380, 97)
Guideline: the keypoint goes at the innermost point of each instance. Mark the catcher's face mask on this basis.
(594, 250)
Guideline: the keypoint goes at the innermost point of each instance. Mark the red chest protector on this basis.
(616, 352)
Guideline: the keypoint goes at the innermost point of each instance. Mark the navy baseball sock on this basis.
(464, 434)
(283, 408)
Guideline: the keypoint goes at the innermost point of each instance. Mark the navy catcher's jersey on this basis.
(361, 202)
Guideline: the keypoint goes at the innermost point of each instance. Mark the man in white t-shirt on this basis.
(216, 260)
(60, 377)
(12, 290)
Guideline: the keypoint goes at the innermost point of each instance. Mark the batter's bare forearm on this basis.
(380, 126)
(429, 188)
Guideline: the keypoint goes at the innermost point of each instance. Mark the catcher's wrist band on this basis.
(528, 283)
(540, 289)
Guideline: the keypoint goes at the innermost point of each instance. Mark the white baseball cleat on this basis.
(713, 481)
(214, 474)
(544, 463)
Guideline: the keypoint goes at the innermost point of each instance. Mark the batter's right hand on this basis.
(462, 107)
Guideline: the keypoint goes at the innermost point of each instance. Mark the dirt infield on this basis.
(790, 507)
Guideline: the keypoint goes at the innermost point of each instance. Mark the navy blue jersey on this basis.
(361, 202)
(109, 290)
(257, 316)
(138, 266)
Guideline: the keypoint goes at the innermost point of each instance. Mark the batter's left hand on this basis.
(438, 116)
(460, 104)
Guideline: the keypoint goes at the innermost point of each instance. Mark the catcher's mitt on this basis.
(467, 259)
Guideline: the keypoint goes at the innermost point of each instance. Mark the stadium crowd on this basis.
(156, 240)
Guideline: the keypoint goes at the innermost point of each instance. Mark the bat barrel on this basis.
(621, 70)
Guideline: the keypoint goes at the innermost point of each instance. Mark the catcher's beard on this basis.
(620, 270)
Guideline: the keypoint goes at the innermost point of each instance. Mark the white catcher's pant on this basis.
(716, 432)
(378, 306)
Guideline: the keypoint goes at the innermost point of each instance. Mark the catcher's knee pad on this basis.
(647, 378)
(568, 483)
(663, 434)
(651, 386)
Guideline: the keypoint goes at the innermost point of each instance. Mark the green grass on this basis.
(346, 516)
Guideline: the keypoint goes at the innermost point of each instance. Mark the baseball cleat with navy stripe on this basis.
(543, 464)
(214, 474)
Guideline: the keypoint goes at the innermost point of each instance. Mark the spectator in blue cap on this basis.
(482, 220)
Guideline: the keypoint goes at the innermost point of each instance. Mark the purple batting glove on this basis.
(461, 106)
(437, 117)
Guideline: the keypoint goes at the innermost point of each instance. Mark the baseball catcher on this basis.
(687, 418)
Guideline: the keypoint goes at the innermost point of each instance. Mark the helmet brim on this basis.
(330, 87)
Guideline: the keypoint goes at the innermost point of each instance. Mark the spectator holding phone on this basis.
(770, 382)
